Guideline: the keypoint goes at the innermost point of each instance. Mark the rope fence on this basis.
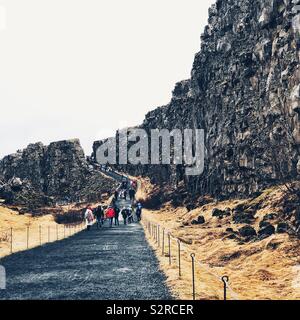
(32, 236)
(177, 252)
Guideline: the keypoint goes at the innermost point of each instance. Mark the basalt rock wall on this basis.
(47, 175)
(244, 91)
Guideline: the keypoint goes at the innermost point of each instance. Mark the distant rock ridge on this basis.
(43, 175)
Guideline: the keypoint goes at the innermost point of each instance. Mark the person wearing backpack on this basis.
(89, 217)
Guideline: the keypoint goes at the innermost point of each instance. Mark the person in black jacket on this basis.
(132, 194)
(117, 211)
(124, 215)
(99, 215)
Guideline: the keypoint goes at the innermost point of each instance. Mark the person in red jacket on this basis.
(110, 214)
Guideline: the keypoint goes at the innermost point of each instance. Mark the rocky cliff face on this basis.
(45, 175)
(244, 92)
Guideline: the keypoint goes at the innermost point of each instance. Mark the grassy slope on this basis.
(267, 269)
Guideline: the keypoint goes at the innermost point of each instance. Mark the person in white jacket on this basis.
(89, 217)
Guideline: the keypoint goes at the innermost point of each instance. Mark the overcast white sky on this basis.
(83, 68)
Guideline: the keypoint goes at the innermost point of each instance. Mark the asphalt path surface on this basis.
(107, 264)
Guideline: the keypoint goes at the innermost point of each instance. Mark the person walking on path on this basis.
(89, 218)
(117, 213)
(116, 194)
(110, 214)
(124, 215)
(138, 211)
(134, 184)
(130, 215)
(99, 215)
(132, 194)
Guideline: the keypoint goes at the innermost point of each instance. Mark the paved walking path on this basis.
(111, 263)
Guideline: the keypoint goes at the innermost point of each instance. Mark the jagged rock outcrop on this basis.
(45, 175)
(244, 92)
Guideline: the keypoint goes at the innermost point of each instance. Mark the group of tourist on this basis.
(111, 214)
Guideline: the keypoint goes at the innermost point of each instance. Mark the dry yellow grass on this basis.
(21, 224)
(261, 270)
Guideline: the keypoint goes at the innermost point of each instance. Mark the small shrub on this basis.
(4, 237)
(73, 216)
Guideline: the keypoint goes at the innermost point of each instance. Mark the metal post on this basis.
(169, 240)
(179, 257)
(163, 242)
(193, 275)
(11, 240)
(27, 238)
(225, 280)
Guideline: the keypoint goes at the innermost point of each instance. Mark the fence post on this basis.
(40, 231)
(169, 240)
(225, 280)
(179, 257)
(163, 242)
(193, 275)
(11, 240)
(27, 237)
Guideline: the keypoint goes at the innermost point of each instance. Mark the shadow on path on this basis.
(111, 263)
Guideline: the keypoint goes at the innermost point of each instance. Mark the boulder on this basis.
(264, 224)
(270, 216)
(200, 220)
(218, 213)
(228, 212)
(282, 227)
(266, 231)
(243, 217)
(247, 232)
